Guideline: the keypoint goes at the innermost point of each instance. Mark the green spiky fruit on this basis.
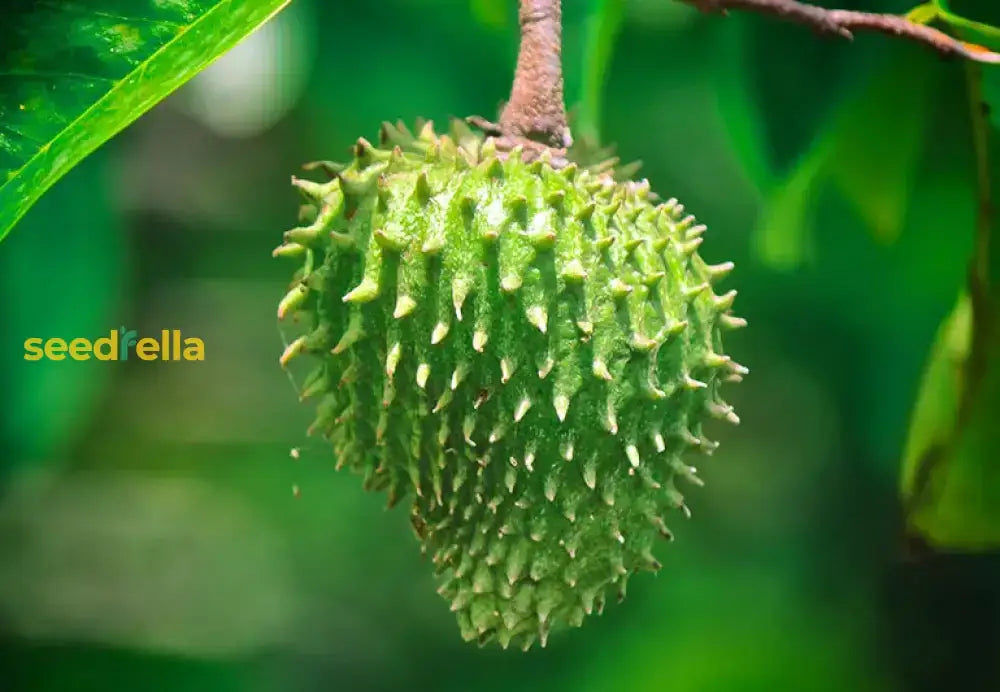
(521, 351)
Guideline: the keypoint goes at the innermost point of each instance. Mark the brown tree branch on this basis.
(536, 113)
(845, 22)
(535, 116)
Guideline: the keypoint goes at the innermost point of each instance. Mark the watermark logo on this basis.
(120, 344)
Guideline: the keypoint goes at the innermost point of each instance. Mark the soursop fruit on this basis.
(521, 350)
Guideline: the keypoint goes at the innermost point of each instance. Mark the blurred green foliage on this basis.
(951, 482)
(149, 534)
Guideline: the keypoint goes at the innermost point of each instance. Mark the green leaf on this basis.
(868, 151)
(73, 74)
(951, 479)
(923, 14)
(878, 141)
(783, 235)
(969, 30)
(604, 21)
(933, 419)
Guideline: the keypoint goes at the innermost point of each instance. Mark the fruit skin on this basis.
(520, 351)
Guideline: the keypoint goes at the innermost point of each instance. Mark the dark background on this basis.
(149, 534)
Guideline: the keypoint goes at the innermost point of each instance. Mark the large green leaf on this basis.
(74, 73)
(932, 422)
(951, 478)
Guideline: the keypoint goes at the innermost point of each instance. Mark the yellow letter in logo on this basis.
(194, 349)
(147, 348)
(33, 349)
(55, 349)
(110, 343)
(79, 349)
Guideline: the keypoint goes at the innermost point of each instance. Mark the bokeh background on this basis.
(150, 538)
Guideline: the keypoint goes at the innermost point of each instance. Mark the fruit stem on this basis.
(536, 112)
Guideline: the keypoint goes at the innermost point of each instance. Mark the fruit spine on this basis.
(522, 351)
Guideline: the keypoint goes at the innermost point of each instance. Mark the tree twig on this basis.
(980, 289)
(535, 116)
(844, 23)
(536, 112)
